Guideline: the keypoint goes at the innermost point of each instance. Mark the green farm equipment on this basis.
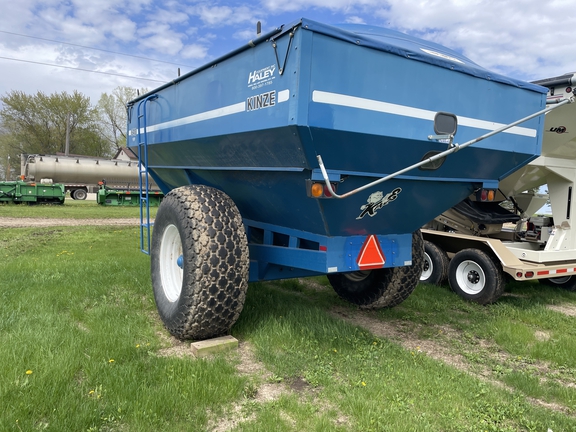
(31, 193)
(126, 197)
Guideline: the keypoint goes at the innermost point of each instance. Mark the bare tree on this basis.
(113, 117)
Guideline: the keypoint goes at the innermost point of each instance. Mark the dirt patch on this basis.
(393, 330)
(7, 222)
(563, 309)
(541, 335)
(175, 348)
(443, 347)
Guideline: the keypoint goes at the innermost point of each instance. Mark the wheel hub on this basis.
(473, 277)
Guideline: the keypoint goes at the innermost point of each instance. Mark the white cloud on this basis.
(218, 16)
(194, 51)
(511, 37)
(345, 6)
(160, 38)
(355, 20)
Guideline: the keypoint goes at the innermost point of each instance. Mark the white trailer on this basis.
(478, 244)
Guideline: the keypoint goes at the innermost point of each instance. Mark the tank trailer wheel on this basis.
(435, 268)
(79, 194)
(388, 287)
(476, 276)
(565, 282)
(199, 262)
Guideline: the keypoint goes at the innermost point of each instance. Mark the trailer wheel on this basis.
(565, 282)
(79, 194)
(476, 276)
(199, 262)
(388, 287)
(435, 268)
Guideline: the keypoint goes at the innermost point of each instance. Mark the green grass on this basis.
(73, 209)
(82, 349)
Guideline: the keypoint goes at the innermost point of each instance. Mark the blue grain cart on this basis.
(317, 150)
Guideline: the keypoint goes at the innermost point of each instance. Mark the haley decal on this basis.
(376, 201)
(260, 78)
(264, 100)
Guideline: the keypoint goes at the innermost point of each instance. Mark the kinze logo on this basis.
(264, 100)
(262, 74)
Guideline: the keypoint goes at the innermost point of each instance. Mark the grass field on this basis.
(82, 349)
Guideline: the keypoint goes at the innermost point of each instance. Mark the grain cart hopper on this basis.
(482, 251)
(317, 150)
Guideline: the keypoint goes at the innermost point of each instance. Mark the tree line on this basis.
(39, 123)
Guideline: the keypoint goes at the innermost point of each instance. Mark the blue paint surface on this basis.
(361, 97)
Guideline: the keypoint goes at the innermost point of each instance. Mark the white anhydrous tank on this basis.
(66, 169)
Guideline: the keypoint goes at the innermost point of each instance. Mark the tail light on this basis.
(485, 195)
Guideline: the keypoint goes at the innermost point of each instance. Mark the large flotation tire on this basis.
(199, 262)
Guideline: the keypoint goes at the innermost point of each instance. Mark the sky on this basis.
(95, 46)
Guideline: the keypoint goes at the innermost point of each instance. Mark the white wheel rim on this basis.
(428, 268)
(170, 271)
(470, 277)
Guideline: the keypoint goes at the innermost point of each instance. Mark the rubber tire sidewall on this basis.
(439, 261)
(213, 289)
(168, 310)
(494, 278)
(79, 194)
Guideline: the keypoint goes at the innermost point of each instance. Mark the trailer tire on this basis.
(567, 283)
(79, 194)
(435, 268)
(199, 262)
(476, 276)
(383, 288)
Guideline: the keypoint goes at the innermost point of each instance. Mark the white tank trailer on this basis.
(80, 174)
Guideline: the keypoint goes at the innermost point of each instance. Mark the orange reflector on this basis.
(491, 195)
(371, 255)
(317, 189)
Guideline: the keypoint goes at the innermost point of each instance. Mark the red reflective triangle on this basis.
(371, 255)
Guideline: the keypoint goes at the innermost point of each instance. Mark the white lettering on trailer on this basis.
(264, 100)
(283, 96)
(407, 111)
(261, 77)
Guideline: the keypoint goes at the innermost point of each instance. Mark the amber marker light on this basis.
(317, 189)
